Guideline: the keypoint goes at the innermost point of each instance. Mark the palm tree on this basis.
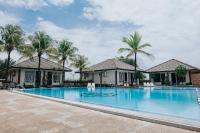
(63, 54)
(126, 60)
(80, 62)
(134, 47)
(3, 65)
(40, 45)
(11, 39)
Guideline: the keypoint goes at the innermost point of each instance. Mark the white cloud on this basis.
(96, 43)
(7, 18)
(36, 4)
(172, 27)
(61, 3)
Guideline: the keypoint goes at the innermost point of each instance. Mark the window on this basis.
(156, 77)
(86, 75)
(56, 77)
(29, 76)
(104, 74)
(121, 76)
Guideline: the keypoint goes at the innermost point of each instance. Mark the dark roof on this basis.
(111, 64)
(45, 64)
(170, 65)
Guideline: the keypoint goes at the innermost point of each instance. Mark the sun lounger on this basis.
(151, 84)
(91, 85)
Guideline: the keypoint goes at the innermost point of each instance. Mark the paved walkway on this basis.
(24, 114)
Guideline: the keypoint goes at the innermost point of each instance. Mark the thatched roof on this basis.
(111, 64)
(170, 65)
(45, 64)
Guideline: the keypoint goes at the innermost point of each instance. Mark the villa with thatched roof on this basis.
(25, 72)
(110, 71)
(166, 72)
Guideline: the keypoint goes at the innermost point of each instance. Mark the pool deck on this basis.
(22, 114)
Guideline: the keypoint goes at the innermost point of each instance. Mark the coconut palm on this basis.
(40, 45)
(65, 52)
(80, 62)
(3, 63)
(134, 47)
(11, 38)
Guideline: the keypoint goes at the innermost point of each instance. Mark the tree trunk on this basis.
(80, 74)
(63, 73)
(136, 69)
(7, 65)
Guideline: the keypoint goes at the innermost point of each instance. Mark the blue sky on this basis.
(97, 26)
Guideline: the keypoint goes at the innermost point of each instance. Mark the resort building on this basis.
(165, 72)
(25, 72)
(111, 72)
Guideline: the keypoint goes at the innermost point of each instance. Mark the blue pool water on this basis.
(174, 102)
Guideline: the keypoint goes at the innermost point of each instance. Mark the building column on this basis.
(168, 77)
(100, 75)
(19, 76)
(190, 77)
(160, 78)
(127, 77)
(116, 78)
(93, 76)
(44, 78)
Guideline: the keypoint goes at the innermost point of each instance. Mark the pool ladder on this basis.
(198, 95)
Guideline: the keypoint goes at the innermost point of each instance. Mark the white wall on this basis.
(22, 77)
(109, 78)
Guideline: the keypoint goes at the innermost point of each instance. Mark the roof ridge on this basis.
(53, 62)
(36, 58)
(99, 63)
(160, 64)
(114, 60)
(174, 60)
(185, 63)
(28, 58)
(125, 63)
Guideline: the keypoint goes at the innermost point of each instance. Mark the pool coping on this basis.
(153, 118)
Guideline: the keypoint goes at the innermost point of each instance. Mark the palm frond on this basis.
(130, 54)
(26, 50)
(121, 50)
(144, 45)
(146, 53)
(134, 45)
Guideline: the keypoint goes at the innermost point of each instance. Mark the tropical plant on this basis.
(181, 71)
(41, 44)
(127, 60)
(134, 47)
(63, 54)
(3, 65)
(141, 76)
(11, 39)
(80, 62)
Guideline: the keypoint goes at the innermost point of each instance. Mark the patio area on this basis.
(22, 114)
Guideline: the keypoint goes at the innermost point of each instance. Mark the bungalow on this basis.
(110, 71)
(165, 72)
(25, 72)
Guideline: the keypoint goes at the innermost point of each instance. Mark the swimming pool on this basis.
(175, 102)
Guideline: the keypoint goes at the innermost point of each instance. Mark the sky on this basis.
(96, 27)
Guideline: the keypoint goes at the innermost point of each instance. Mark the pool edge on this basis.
(168, 121)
